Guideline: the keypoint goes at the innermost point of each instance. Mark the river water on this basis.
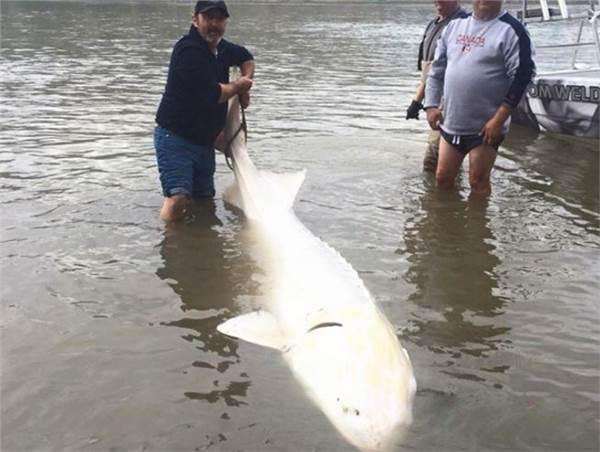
(108, 317)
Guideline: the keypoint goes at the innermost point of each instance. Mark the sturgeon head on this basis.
(318, 313)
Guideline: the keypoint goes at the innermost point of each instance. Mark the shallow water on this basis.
(108, 319)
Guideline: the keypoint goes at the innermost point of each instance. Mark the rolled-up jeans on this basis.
(184, 167)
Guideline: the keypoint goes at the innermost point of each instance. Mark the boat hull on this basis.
(566, 103)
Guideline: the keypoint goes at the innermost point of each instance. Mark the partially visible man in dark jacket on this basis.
(193, 109)
(447, 10)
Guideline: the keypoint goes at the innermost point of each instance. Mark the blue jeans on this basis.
(184, 167)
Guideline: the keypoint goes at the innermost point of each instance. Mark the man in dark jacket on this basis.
(447, 10)
(193, 108)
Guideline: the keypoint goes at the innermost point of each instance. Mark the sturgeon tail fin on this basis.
(255, 192)
(283, 186)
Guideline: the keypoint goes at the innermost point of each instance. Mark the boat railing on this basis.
(560, 12)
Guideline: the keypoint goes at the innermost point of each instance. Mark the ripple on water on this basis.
(495, 302)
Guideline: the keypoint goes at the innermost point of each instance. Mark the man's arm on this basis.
(247, 69)
(520, 69)
(420, 93)
(230, 90)
(192, 69)
(412, 112)
(434, 86)
(492, 131)
(518, 58)
(240, 87)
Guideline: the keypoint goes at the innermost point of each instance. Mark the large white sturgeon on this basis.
(317, 311)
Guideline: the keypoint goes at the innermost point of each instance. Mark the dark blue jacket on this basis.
(190, 104)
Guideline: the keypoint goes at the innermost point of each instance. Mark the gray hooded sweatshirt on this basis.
(478, 66)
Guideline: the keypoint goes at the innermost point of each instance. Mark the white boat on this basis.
(564, 101)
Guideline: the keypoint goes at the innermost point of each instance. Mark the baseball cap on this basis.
(205, 5)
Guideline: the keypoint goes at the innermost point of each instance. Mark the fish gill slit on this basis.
(324, 325)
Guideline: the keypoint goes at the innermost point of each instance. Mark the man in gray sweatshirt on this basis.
(483, 64)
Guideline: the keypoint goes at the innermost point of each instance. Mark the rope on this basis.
(227, 152)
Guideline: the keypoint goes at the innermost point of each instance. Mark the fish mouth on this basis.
(324, 325)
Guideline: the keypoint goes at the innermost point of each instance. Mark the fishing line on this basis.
(243, 126)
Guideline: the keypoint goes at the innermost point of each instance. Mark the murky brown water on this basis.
(108, 319)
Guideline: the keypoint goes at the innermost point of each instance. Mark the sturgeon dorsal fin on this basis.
(258, 327)
(284, 185)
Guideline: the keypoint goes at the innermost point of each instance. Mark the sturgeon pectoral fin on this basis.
(259, 327)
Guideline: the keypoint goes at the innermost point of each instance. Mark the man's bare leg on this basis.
(174, 208)
(481, 162)
(448, 165)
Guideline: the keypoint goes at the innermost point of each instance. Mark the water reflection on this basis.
(205, 268)
(568, 177)
(91, 74)
(452, 265)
